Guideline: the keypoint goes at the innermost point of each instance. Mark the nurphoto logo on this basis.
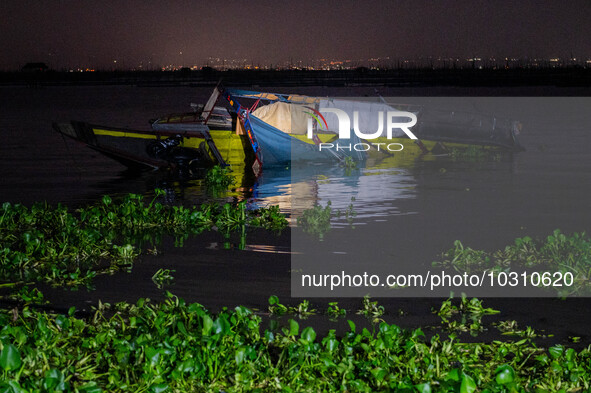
(395, 120)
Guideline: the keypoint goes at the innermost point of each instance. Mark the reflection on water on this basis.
(371, 191)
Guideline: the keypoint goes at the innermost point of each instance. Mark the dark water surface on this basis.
(410, 213)
(485, 204)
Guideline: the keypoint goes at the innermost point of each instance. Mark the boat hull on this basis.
(279, 148)
(130, 147)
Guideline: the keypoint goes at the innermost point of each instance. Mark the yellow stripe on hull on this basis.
(228, 143)
(122, 134)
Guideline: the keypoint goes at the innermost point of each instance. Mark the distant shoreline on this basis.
(558, 77)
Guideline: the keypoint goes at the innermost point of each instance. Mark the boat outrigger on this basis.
(269, 129)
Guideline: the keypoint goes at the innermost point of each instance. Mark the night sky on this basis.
(95, 33)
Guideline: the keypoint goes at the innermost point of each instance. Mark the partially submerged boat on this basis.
(150, 149)
(202, 138)
(269, 129)
(293, 128)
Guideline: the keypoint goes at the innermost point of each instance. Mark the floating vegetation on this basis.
(474, 153)
(174, 346)
(469, 306)
(275, 307)
(316, 221)
(163, 277)
(349, 214)
(470, 313)
(334, 311)
(219, 177)
(26, 295)
(269, 218)
(302, 310)
(371, 310)
(349, 163)
(560, 262)
(511, 328)
(69, 248)
(178, 347)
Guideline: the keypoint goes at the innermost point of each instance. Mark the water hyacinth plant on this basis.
(473, 154)
(178, 347)
(316, 221)
(218, 180)
(162, 277)
(63, 247)
(175, 346)
(465, 317)
(540, 262)
(219, 177)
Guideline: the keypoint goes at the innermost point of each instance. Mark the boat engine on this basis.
(168, 149)
(161, 148)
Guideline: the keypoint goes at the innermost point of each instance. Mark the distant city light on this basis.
(339, 64)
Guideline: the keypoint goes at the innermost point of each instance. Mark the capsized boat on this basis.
(284, 128)
(158, 149)
(199, 139)
(278, 129)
